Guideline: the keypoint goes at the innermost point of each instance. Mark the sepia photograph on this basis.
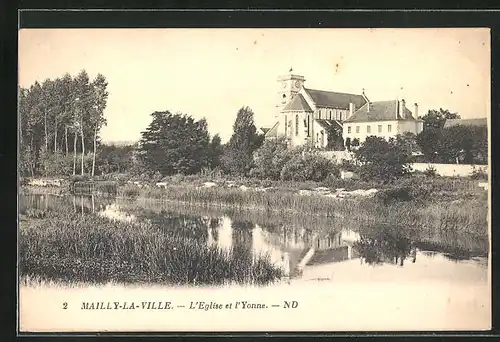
(239, 180)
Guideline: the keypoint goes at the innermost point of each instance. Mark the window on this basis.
(296, 125)
(308, 125)
(389, 128)
(348, 129)
(357, 129)
(380, 128)
(368, 129)
(286, 125)
(319, 113)
(330, 115)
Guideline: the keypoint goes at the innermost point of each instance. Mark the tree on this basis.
(99, 98)
(270, 158)
(429, 142)
(463, 143)
(382, 160)
(408, 142)
(47, 112)
(84, 106)
(216, 150)
(175, 143)
(238, 157)
(437, 118)
(335, 140)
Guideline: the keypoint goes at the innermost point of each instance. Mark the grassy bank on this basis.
(70, 247)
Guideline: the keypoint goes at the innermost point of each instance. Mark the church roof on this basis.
(272, 131)
(335, 100)
(298, 103)
(326, 124)
(379, 111)
(465, 122)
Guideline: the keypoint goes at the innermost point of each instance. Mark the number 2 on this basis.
(65, 306)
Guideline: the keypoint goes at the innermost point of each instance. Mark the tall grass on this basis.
(66, 246)
(461, 226)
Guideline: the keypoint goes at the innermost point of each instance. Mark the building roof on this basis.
(466, 122)
(335, 100)
(379, 111)
(265, 129)
(326, 124)
(298, 103)
(273, 131)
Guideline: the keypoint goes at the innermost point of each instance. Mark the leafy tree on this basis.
(382, 160)
(463, 143)
(216, 150)
(175, 143)
(429, 142)
(98, 98)
(335, 140)
(113, 158)
(270, 158)
(47, 112)
(355, 142)
(237, 158)
(408, 142)
(437, 118)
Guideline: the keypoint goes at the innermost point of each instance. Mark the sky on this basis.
(212, 73)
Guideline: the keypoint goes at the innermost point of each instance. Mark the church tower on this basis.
(288, 86)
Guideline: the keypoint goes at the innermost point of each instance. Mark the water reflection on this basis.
(292, 245)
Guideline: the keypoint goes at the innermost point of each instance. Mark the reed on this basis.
(70, 247)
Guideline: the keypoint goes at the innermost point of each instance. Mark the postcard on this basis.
(230, 180)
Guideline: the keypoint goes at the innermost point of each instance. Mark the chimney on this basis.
(402, 109)
(415, 112)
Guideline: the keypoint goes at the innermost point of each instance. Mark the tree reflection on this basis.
(385, 245)
(186, 226)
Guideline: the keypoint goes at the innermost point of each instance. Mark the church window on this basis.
(296, 124)
(368, 129)
(389, 128)
(357, 129)
(308, 125)
(330, 115)
(348, 129)
(286, 125)
(380, 128)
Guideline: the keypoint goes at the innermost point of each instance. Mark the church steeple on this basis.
(289, 86)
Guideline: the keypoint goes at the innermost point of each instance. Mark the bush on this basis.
(309, 167)
(394, 194)
(55, 164)
(430, 171)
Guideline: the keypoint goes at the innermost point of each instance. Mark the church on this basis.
(309, 116)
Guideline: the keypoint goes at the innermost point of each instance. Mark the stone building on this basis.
(309, 116)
